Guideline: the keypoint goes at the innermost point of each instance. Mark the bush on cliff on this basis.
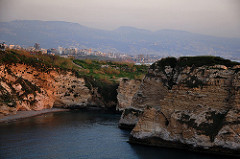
(190, 61)
(199, 61)
(169, 61)
(106, 88)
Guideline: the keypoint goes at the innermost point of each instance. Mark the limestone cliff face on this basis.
(24, 87)
(198, 107)
(126, 90)
(129, 118)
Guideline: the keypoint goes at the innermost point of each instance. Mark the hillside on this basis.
(51, 34)
(35, 81)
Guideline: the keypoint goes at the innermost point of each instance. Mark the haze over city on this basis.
(215, 17)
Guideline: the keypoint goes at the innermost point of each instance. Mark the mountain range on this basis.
(130, 40)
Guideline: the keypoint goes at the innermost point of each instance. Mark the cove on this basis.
(78, 135)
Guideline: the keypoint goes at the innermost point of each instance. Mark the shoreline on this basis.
(30, 113)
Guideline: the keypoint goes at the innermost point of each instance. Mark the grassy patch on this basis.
(111, 70)
(36, 59)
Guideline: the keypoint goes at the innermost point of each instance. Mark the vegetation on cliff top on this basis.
(97, 69)
(179, 64)
(197, 61)
(111, 70)
(102, 75)
(38, 60)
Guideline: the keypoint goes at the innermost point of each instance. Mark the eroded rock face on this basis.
(193, 106)
(71, 91)
(129, 118)
(24, 87)
(126, 90)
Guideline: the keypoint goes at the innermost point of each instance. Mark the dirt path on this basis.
(77, 65)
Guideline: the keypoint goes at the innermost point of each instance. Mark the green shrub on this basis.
(106, 88)
(197, 61)
(205, 60)
(169, 61)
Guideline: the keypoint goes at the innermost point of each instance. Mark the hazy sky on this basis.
(214, 17)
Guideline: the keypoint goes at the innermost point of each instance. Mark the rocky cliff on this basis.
(126, 90)
(193, 107)
(24, 87)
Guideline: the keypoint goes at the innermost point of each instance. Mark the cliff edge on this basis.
(190, 103)
(24, 87)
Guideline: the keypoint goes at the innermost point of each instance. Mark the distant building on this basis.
(17, 47)
(60, 50)
(44, 51)
(90, 51)
(49, 51)
(37, 46)
(11, 46)
(2, 46)
(30, 49)
(140, 58)
(52, 51)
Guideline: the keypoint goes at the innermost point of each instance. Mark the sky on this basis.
(211, 17)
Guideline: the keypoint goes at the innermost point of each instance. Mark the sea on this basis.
(79, 134)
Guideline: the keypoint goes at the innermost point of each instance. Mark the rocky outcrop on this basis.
(126, 90)
(71, 92)
(129, 118)
(24, 87)
(197, 107)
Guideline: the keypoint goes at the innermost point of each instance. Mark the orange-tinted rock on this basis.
(27, 88)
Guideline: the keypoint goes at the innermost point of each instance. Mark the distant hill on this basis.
(51, 34)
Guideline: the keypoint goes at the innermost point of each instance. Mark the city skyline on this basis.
(215, 17)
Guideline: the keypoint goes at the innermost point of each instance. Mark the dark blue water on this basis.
(76, 135)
